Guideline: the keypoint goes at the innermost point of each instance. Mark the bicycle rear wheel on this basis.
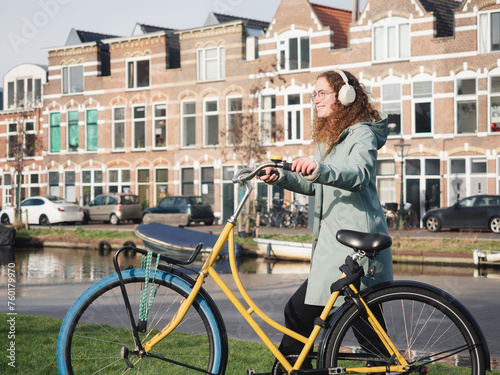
(96, 335)
(429, 328)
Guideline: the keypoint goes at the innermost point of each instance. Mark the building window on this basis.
(268, 119)
(386, 186)
(211, 122)
(72, 79)
(119, 128)
(494, 88)
(54, 184)
(92, 130)
(468, 176)
(143, 186)
(119, 180)
(24, 92)
(55, 132)
(73, 131)
(293, 130)
(207, 184)
(160, 125)
(30, 145)
(92, 183)
(138, 74)
(69, 186)
(161, 184)
(422, 106)
(489, 32)
(391, 39)
(234, 121)
(34, 184)
(188, 113)
(187, 181)
(466, 106)
(391, 105)
(294, 53)
(139, 128)
(211, 63)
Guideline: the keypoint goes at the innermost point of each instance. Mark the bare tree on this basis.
(246, 130)
(22, 147)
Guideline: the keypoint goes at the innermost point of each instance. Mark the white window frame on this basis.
(494, 113)
(466, 177)
(293, 109)
(69, 68)
(391, 81)
(484, 32)
(92, 184)
(266, 125)
(157, 183)
(283, 50)
(466, 75)
(138, 119)
(134, 61)
(230, 113)
(423, 78)
(11, 133)
(183, 118)
(114, 123)
(206, 114)
(120, 184)
(153, 127)
(385, 26)
(24, 102)
(202, 60)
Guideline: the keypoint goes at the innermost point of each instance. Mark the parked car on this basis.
(476, 212)
(44, 211)
(113, 208)
(197, 207)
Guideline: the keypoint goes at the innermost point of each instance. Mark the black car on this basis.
(197, 208)
(476, 212)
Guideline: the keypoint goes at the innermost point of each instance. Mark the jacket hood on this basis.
(379, 129)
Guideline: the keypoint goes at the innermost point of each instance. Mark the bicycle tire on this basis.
(96, 328)
(411, 220)
(428, 327)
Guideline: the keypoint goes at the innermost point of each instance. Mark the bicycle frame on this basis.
(208, 270)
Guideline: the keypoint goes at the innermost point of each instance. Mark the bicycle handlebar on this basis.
(247, 174)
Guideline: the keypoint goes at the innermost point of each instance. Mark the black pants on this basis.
(299, 317)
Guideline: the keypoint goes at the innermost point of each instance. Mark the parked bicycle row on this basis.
(285, 214)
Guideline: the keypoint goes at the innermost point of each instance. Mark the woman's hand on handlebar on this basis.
(306, 166)
(269, 175)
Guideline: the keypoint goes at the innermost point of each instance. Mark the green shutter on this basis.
(55, 132)
(92, 130)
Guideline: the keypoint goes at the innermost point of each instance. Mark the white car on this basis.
(44, 211)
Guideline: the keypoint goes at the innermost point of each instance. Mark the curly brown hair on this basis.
(327, 130)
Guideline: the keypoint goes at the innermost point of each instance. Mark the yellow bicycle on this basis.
(159, 320)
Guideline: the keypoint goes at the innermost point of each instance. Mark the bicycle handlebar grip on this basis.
(287, 166)
(263, 173)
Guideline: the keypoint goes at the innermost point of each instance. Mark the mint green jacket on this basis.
(344, 186)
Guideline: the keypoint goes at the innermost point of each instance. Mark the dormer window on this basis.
(294, 53)
(489, 32)
(211, 63)
(72, 79)
(138, 74)
(24, 92)
(391, 39)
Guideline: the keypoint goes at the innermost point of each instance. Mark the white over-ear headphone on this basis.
(346, 94)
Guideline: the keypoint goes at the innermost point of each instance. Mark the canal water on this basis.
(54, 265)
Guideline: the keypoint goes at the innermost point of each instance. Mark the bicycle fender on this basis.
(337, 313)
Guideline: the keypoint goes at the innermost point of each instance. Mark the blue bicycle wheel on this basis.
(96, 334)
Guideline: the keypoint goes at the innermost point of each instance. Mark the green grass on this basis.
(36, 340)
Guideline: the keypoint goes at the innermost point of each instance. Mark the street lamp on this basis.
(402, 149)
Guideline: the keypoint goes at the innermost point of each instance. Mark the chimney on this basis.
(355, 10)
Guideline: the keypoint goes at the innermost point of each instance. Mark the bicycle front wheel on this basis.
(429, 328)
(96, 335)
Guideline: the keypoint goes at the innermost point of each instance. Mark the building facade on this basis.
(169, 111)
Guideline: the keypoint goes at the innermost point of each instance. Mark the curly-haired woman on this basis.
(348, 131)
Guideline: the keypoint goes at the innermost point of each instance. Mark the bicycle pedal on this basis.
(251, 371)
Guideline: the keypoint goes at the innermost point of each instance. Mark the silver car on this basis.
(113, 208)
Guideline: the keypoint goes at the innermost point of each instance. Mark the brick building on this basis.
(20, 133)
(154, 112)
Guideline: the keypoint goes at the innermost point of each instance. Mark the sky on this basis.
(28, 26)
